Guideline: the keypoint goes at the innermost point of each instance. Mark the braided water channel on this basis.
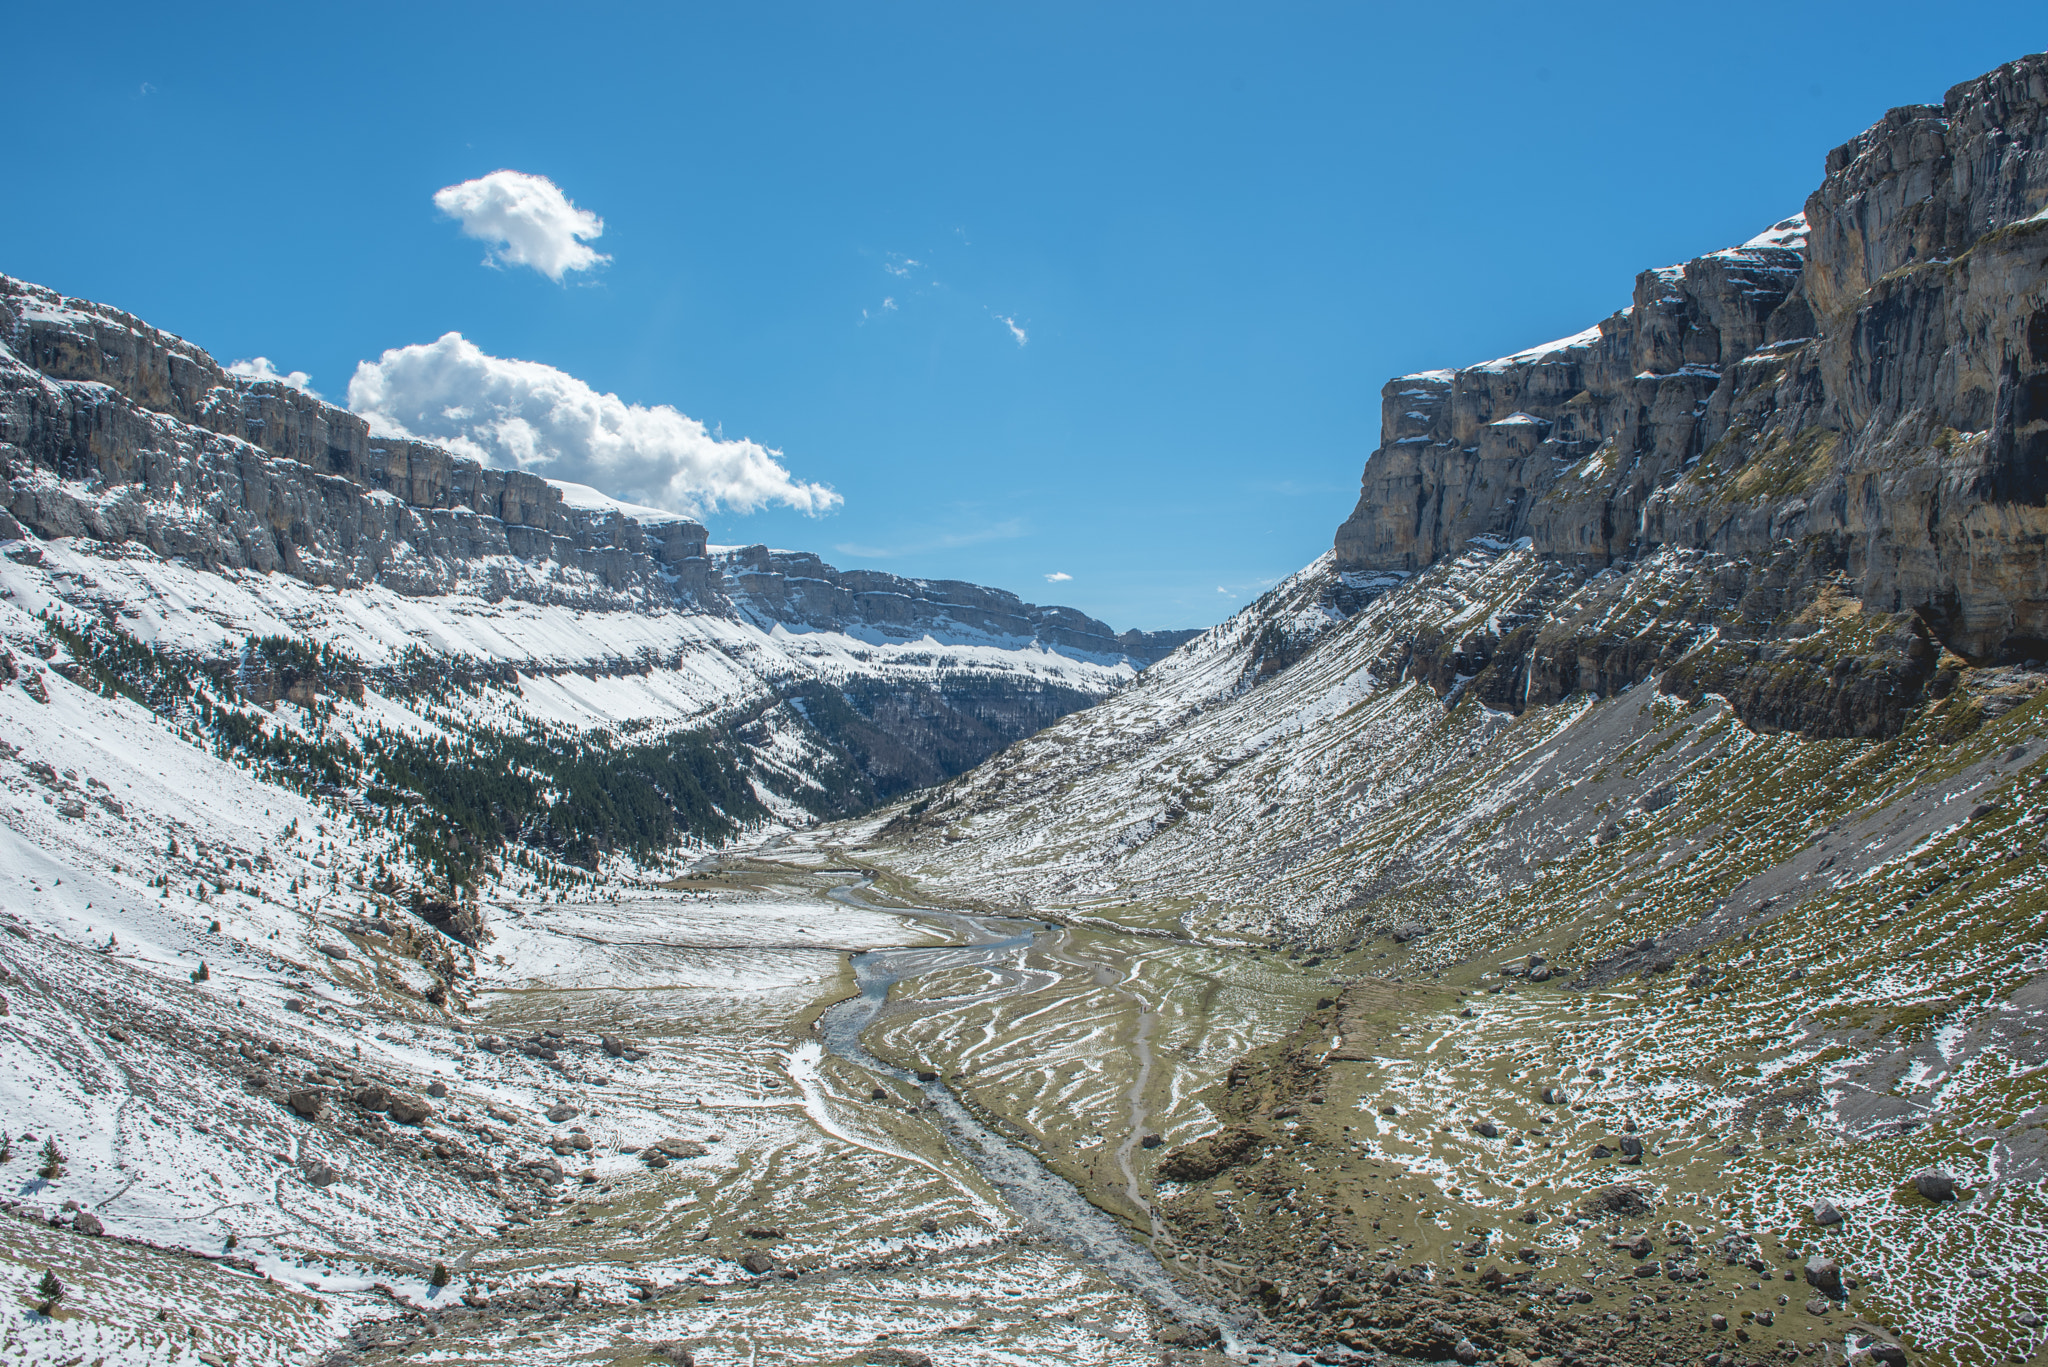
(1049, 1205)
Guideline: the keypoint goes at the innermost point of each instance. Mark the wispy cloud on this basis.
(260, 368)
(144, 91)
(1058, 577)
(527, 220)
(1009, 322)
(1006, 530)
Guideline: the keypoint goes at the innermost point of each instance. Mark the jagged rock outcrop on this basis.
(1846, 418)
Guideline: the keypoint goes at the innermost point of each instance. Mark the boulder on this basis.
(1824, 1213)
(758, 1262)
(1824, 1275)
(1486, 1129)
(319, 1173)
(308, 1102)
(613, 1046)
(374, 1097)
(437, 1090)
(339, 953)
(560, 1112)
(411, 1110)
(1819, 1305)
(1935, 1185)
(88, 1223)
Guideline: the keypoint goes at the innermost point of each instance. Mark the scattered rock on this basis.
(928, 1225)
(308, 1102)
(675, 1148)
(319, 1173)
(1632, 1148)
(927, 1075)
(374, 1097)
(1636, 1247)
(88, 1223)
(763, 1232)
(893, 1357)
(1819, 1305)
(1719, 1322)
(1555, 1096)
(560, 1112)
(1619, 1199)
(1824, 1213)
(758, 1262)
(335, 952)
(1540, 973)
(613, 1046)
(1486, 1129)
(878, 1094)
(437, 1089)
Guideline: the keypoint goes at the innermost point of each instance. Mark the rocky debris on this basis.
(309, 1102)
(1824, 1213)
(1620, 1199)
(1206, 1157)
(1486, 1129)
(612, 1045)
(560, 1112)
(437, 1090)
(339, 953)
(319, 1173)
(373, 1097)
(673, 1148)
(1934, 1185)
(85, 1222)
(1819, 1305)
(757, 1262)
(1631, 1148)
(1824, 1275)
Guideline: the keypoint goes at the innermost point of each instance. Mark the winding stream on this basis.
(1048, 1204)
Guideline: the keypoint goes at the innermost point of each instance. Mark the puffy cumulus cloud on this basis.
(260, 368)
(530, 416)
(527, 220)
(1058, 577)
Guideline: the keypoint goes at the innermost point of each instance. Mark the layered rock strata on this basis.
(1853, 406)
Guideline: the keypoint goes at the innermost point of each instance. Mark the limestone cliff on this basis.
(1846, 417)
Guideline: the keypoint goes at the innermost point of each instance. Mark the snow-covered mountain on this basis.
(168, 509)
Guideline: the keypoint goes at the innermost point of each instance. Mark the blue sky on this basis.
(1098, 291)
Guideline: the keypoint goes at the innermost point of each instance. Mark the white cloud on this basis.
(1015, 331)
(530, 416)
(1058, 577)
(1225, 592)
(528, 221)
(260, 368)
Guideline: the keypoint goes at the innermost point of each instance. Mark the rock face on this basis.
(1842, 420)
(129, 447)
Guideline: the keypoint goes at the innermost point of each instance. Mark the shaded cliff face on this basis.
(1844, 417)
(151, 490)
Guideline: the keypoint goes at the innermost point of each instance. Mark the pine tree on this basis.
(440, 1277)
(53, 1160)
(51, 1290)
